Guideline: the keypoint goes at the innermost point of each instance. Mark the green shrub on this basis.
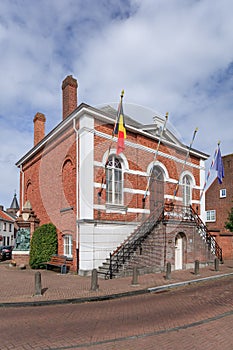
(43, 245)
(229, 223)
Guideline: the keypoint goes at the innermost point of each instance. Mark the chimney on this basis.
(39, 127)
(69, 97)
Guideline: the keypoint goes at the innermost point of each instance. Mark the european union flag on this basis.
(218, 166)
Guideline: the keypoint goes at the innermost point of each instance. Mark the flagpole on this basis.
(155, 156)
(211, 166)
(186, 158)
(110, 146)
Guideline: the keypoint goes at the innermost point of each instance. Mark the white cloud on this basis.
(168, 55)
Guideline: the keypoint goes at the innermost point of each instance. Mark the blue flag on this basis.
(218, 166)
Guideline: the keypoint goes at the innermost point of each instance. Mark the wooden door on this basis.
(156, 188)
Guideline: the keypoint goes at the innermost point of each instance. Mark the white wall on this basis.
(96, 242)
(86, 169)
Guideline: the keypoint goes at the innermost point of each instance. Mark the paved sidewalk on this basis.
(18, 286)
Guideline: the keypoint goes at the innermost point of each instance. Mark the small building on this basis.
(100, 200)
(219, 201)
(7, 223)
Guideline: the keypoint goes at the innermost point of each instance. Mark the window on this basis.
(211, 215)
(114, 181)
(68, 245)
(10, 227)
(4, 226)
(223, 193)
(187, 190)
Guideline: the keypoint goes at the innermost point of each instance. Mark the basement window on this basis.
(68, 245)
(211, 215)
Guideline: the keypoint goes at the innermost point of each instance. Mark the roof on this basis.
(109, 114)
(152, 129)
(14, 203)
(6, 217)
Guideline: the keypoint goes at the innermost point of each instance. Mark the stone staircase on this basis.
(146, 248)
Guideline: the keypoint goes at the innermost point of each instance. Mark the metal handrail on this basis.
(168, 212)
(123, 253)
(188, 213)
(210, 240)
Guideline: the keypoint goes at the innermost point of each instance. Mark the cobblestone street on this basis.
(198, 316)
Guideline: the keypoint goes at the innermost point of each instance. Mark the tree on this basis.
(43, 245)
(229, 223)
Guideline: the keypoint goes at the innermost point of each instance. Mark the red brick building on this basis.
(63, 175)
(219, 201)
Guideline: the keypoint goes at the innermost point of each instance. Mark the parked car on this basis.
(6, 252)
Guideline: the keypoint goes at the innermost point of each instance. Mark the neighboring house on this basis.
(14, 207)
(7, 223)
(74, 178)
(219, 201)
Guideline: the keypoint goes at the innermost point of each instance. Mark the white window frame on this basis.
(114, 181)
(211, 215)
(67, 245)
(223, 193)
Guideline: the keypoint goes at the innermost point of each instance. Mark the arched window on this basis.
(69, 181)
(187, 190)
(29, 191)
(114, 181)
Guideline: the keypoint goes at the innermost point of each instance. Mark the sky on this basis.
(171, 56)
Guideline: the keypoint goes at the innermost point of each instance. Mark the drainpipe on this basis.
(22, 186)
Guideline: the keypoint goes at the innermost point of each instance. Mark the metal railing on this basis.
(205, 234)
(187, 213)
(133, 242)
(168, 212)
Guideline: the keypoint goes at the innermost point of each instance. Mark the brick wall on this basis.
(222, 207)
(159, 248)
(50, 185)
(139, 160)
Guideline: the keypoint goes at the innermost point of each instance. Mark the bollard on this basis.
(94, 280)
(196, 267)
(135, 276)
(38, 284)
(168, 271)
(216, 264)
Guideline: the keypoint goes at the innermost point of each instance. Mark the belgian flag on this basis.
(119, 129)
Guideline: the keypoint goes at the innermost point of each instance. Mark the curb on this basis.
(179, 284)
(158, 289)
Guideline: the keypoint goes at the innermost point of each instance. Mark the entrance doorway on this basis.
(156, 188)
(178, 253)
